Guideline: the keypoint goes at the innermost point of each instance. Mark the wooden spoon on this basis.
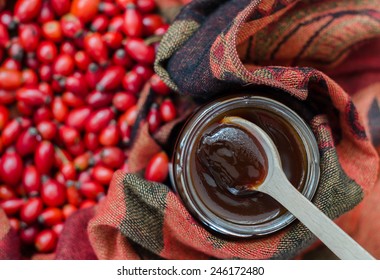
(277, 186)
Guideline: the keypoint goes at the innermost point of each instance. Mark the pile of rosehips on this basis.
(71, 73)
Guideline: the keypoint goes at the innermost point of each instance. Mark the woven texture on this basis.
(218, 47)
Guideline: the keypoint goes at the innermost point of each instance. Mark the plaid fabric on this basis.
(218, 47)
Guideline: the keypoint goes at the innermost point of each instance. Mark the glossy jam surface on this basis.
(233, 158)
(213, 146)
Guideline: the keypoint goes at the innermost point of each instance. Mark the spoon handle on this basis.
(339, 242)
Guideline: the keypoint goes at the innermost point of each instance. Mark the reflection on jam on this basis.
(256, 208)
(233, 158)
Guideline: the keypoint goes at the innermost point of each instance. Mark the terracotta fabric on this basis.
(283, 48)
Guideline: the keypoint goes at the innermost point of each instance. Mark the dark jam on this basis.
(216, 185)
(234, 159)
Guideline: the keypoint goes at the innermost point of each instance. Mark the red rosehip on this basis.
(168, 111)
(158, 85)
(44, 157)
(85, 10)
(46, 241)
(28, 234)
(46, 52)
(27, 10)
(111, 78)
(158, 168)
(12, 206)
(133, 26)
(52, 31)
(112, 157)
(29, 36)
(122, 101)
(47, 129)
(64, 65)
(10, 79)
(110, 135)
(61, 7)
(102, 174)
(53, 193)
(31, 180)
(50, 216)
(31, 209)
(11, 167)
(91, 190)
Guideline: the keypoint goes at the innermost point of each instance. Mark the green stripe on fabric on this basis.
(145, 207)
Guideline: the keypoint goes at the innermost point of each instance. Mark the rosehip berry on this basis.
(99, 119)
(99, 24)
(11, 131)
(158, 85)
(132, 82)
(31, 209)
(53, 193)
(82, 60)
(31, 180)
(91, 141)
(157, 169)
(97, 99)
(167, 110)
(11, 167)
(113, 39)
(73, 195)
(154, 118)
(85, 10)
(6, 192)
(122, 101)
(27, 142)
(64, 65)
(116, 24)
(46, 241)
(110, 135)
(29, 36)
(27, 10)
(146, 6)
(28, 234)
(111, 78)
(10, 79)
(46, 14)
(71, 26)
(91, 190)
(61, 7)
(140, 51)
(96, 48)
(12, 206)
(44, 157)
(47, 130)
(59, 109)
(93, 75)
(58, 228)
(133, 26)
(46, 52)
(51, 216)
(112, 157)
(121, 58)
(52, 31)
(102, 174)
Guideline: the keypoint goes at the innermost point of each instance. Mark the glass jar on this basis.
(252, 215)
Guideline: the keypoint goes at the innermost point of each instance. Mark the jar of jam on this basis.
(220, 210)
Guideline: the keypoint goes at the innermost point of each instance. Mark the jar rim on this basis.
(181, 175)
